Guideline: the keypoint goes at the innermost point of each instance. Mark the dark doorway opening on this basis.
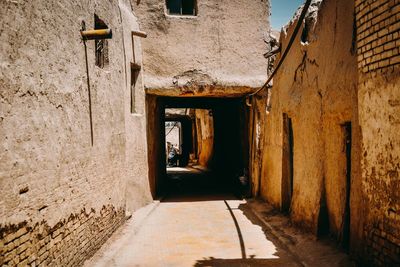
(345, 238)
(208, 142)
(287, 163)
(178, 137)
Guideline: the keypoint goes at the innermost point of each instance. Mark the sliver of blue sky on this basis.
(282, 11)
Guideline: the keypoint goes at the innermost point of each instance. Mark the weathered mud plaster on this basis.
(137, 188)
(256, 115)
(379, 101)
(317, 88)
(222, 46)
(378, 41)
(49, 170)
(196, 90)
(155, 113)
(205, 136)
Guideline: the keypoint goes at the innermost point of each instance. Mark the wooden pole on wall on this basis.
(88, 85)
(92, 35)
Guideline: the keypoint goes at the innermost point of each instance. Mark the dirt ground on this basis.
(191, 228)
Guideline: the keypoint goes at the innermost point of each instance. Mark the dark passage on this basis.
(192, 184)
(202, 148)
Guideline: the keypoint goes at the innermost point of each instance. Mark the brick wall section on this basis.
(382, 246)
(378, 49)
(378, 33)
(69, 243)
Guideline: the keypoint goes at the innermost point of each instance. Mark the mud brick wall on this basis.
(49, 169)
(69, 243)
(222, 34)
(378, 44)
(378, 24)
(318, 92)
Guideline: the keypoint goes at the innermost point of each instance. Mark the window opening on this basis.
(101, 46)
(182, 7)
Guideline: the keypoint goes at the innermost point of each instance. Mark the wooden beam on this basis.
(139, 34)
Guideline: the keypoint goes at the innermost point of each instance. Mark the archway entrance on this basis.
(197, 146)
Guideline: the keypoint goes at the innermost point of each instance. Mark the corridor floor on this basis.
(191, 228)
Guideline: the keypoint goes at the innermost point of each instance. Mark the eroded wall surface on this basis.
(205, 135)
(378, 41)
(61, 197)
(214, 53)
(317, 88)
(136, 161)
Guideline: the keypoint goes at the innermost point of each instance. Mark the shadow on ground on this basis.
(211, 262)
(323, 251)
(290, 243)
(189, 185)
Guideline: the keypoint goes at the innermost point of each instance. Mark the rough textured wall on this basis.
(223, 45)
(317, 90)
(155, 113)
(136, 162)
(205, 136)
(378, 41)
(257, 121)
(61, 197)
(256, 117)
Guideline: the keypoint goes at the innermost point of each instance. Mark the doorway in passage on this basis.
(287, 163)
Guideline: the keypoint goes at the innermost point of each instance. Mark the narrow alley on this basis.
(200, 223)
(175, 133)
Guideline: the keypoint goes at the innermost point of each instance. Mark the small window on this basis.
(101, 46)
(182, 7)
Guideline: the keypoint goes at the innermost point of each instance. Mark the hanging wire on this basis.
(176, 123)
(285, 53)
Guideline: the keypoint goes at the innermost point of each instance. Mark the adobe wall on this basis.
(257, 122)
(378, 41)
(317, 88)
(61, 197)
(136, 161)
(219, 52)
(205, 136)
(155, 114)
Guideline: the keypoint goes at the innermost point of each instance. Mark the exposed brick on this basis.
(15, 235)
(22, 247)
(378, 48)
(67, 242)
(378, 35)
